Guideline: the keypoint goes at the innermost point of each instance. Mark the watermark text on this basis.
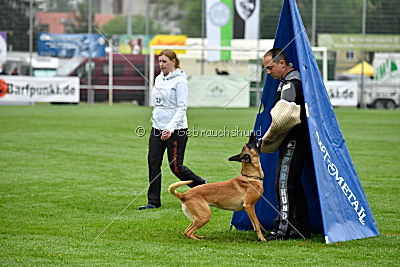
(224, 132)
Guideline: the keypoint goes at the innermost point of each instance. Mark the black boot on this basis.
(275, 236)
(148, 206)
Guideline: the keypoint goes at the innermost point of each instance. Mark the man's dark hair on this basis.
(277, 55)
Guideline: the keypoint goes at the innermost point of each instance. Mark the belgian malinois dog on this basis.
(239, 193)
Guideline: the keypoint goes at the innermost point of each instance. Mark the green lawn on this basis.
(67, 171)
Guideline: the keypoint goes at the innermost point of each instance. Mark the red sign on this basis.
(3, 88)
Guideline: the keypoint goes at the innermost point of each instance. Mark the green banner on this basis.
(368, 42)
(227, 31)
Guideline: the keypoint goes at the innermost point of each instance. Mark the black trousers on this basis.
(175, 146)
(292, 203)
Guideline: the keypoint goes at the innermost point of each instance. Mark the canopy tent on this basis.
(357, 69)
(337, 204)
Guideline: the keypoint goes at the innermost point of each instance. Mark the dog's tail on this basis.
(172, 188)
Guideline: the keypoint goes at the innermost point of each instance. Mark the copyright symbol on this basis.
(140, 131)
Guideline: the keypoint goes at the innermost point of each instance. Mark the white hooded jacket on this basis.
(169, 99)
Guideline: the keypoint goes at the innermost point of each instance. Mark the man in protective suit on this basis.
(288, 133)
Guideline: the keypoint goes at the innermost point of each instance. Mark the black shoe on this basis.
(148, 206)
(275, 236)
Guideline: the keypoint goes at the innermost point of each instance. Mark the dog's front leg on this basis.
(249, 208)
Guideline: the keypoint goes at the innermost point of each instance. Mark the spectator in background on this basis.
(3, 69)
(15, 71)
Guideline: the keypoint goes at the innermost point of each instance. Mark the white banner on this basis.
(219, 27)
(246, 20)
(218, 91)
(342, 93)
(38, 89)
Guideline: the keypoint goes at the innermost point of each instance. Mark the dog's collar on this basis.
(252, 177)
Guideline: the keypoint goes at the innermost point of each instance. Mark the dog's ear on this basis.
(235, 158)
(252, 138)
(253, 142)
(258, 145)
(239, 158)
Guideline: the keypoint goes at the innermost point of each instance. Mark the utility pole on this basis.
(364, 19)
(314, 23)
(90, 93)
(129, 18)
(146, 57)
(30, 35)
(259, 61)
(202, 35)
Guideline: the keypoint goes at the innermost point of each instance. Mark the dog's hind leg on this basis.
(190, 216)
(196, 224)
(201, 215)
(187, 228)
(189, 232)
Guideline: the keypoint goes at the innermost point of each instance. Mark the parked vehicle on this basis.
(41, 66)
(377, 94)
(44, 66)
(386, 89)
(381, 95)
(128, 77)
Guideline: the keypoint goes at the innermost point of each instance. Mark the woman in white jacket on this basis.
(169, 130)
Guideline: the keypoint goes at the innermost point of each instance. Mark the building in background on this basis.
(124, 7)
(55, 22)
(105, 10)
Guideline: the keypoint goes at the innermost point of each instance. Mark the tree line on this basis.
(336, 16)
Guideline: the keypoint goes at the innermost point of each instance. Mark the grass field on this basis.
(67, 171)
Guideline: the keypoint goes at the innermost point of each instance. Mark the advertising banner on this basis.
(219, 14)
(38, 89)
(137, 44)
(71, 45)
(387, 67)
(246, 19)
(3, 46)
(342, 93)
(218, 91)
(164, 39)
(369, 42)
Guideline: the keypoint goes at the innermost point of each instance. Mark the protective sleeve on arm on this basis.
(285, 115)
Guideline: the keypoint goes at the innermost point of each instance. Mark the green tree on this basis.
(332, 16)
(187, 14)
(383, 16)
(80, 24)
(15, 21)
(115, 26)
(118, 26)
(344, 16)
(191, 21)
(58, 5)
(270, 11)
